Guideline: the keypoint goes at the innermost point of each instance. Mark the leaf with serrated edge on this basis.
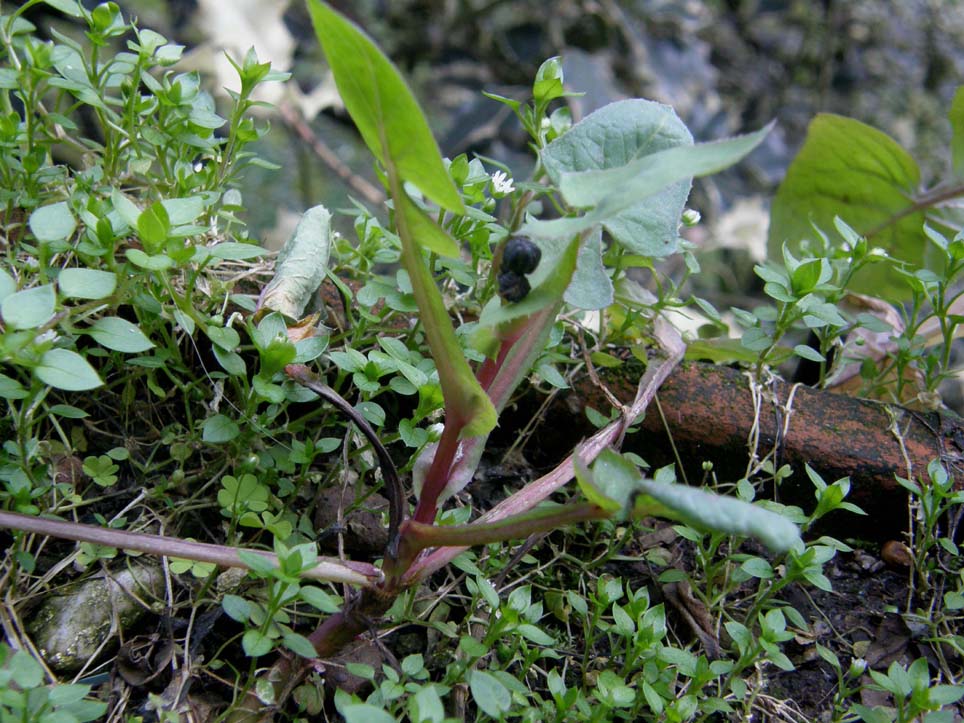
(625, 186)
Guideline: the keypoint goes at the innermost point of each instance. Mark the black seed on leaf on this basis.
(512, 286)
(520, 255)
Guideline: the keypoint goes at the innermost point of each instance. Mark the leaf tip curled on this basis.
(615, 484)
(609, 484)
(301, 266)
(779, 534)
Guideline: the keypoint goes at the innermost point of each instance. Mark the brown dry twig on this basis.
(293, 119)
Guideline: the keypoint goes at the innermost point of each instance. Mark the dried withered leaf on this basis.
(696, 615)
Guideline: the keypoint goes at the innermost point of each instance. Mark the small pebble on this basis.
(896, 554)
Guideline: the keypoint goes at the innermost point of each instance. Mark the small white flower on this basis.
(502, 183)
(690, 217)
(435, 431)
(857, 667)
(877, 251)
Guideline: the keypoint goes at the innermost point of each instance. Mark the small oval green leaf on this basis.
(29, 308)
(120, 335)
(300, 644)
(256, 643)
(67, 370)
(86, 283)
(365, 713)
(159, 262)
(11, 389)
(8, 284)
(154, 227)
(53, 222)
(489, 693)
(219, 429)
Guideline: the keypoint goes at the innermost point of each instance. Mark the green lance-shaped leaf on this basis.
(465, 400)
(849, 169)
(615, 483)
(382, 106)
(618, 187)
(301, 265)
(395, 130)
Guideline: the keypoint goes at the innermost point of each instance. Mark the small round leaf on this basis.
(256, 643)
(489, 693)
(154, 226)
(219, 429)
(53, 222)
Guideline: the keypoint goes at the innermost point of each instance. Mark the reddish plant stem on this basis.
(438, 473)
(329, 639)
(536, 491)
(490, 367)
(440, 470)
(353, 573)
(393, 486)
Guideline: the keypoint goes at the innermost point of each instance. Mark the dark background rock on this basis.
(727, 66)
